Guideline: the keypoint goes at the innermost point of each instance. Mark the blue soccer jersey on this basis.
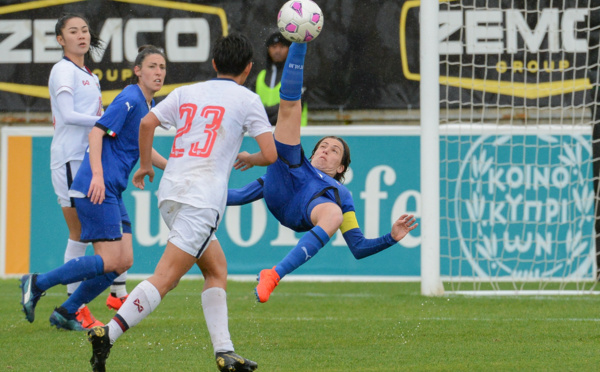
(292, 187)
(291, 184)
(120, 149)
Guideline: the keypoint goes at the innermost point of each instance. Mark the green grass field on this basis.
(323, 327)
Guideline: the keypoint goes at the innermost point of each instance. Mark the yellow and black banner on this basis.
(537, 53)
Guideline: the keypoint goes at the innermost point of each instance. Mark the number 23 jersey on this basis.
(211, 118)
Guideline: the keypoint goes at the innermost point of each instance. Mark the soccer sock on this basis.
(88, 290)
(141, 302)
(307, 247)
(74, 249)
(76, 270)
(214, 305)
(293, 73)
(118, 288)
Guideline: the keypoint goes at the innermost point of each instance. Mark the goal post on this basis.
(431, 284)
(512, 195)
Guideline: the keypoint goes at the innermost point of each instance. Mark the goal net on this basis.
(517, 181)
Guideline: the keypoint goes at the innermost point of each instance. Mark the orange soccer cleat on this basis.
(87, 320)
(268, 279)
(114, 302)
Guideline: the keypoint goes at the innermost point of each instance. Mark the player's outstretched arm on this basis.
(146, 138)
(247, 194)
(362, 247)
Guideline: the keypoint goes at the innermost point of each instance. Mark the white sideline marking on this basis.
(511, 319)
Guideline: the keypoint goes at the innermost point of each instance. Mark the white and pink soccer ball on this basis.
(300, 21)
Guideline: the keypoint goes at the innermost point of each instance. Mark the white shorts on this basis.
(62, 178)
(191, 228)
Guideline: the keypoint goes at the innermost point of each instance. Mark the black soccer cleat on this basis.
(61, 318)
(229, 361)
(98, 336)
(30, 295)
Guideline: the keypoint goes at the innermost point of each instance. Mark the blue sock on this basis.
(75, 270)
(293, 73)
(88, 290)
(307, 247)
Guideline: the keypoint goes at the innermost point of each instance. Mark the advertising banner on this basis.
(34, 233)
(520, 206)
(512, 204)
(537, 53)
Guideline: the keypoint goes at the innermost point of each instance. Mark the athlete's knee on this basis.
(215, 275)
(164, 284)
(337, 219)
(118, 264)
(124, 266)
(173, 285)
(332, 218)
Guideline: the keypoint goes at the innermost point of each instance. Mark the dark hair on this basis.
(143, 52)
(276, 38)
(232, 54)
(345, 156)
(95, 42)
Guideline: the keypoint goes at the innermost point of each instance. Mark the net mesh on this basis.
(517, 116)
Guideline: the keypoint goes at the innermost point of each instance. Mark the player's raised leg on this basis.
(289, 118)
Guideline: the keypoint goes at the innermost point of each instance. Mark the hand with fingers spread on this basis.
(403, 225)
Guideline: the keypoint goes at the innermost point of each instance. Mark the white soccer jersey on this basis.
(70, 141)
(211, 119)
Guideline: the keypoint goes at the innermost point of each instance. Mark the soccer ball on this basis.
(300, 21)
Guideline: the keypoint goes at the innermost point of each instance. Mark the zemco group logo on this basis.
(495, 47)
(28, 46)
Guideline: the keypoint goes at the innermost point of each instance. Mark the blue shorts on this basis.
(102, 222)
(293, 188)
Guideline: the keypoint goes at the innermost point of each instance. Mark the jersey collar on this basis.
(224, 79)
(85, 69)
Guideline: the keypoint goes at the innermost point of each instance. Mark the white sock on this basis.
(141, 302)
(74, 249)
(118, 287)
(214, 304)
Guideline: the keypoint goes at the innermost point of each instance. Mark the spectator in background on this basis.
(268, 80)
